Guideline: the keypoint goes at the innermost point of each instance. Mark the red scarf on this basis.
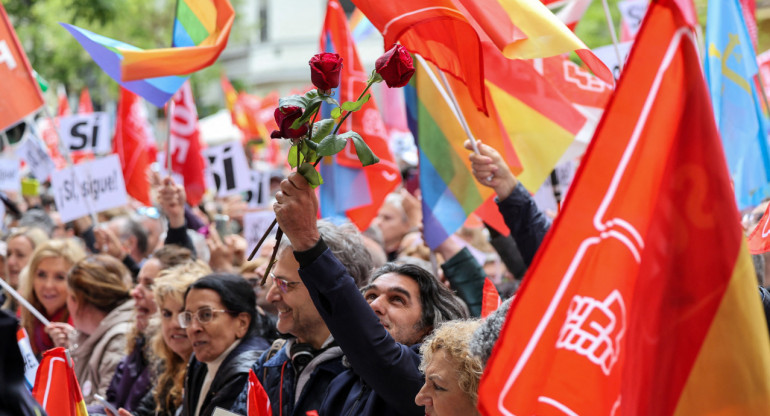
(40, 340)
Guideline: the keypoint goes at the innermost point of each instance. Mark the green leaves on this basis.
(307, 153)
(334, 143)
(350, 106)
(311, 175)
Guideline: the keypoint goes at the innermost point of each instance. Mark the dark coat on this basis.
(132, 379)
(384, 377)
(278, 377)
(527, 224)
(230, 379)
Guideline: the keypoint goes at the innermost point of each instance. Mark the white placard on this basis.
(218, 411)
(254, 226)
(632, 12)
(608, 55)
(10, 174)
(92, 186)
(227, 168)
(32, 151)
(259, 193)
(86, 132)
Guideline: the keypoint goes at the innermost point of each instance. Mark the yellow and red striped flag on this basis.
(56, 387)
(645, 295)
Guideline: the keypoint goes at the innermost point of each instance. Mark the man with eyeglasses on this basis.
(296, 372)
(379, 332)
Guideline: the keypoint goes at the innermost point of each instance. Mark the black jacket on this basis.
(228, 382)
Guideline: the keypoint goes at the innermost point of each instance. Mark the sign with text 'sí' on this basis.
(33, 151)
(228, 169)
(92, 186)
(86, 132)
(10, 174)
(259, 193)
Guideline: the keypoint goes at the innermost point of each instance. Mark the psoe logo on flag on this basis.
(594, 329)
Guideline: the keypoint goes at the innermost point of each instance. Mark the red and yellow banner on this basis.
(642, 299)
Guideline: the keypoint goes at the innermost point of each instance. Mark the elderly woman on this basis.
(220, 319)
(44, 285)
(102, 311)
(452, 373)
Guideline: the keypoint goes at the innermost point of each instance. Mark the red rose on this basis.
(284, 117)
(395, 66)
(325, 70)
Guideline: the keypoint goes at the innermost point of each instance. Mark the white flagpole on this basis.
(614, 36)
(24, 302)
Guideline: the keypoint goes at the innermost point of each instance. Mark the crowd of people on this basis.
(161, 320)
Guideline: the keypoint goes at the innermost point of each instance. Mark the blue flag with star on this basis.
(731, 66)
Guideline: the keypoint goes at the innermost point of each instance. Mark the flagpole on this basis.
(449, 97)
(6, 142)
(614, 36)
(24, 302)
(169, 118)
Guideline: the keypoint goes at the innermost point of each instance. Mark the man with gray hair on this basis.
(296, 372)
(379, 332)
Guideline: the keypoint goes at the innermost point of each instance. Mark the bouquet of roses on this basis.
(312, 140)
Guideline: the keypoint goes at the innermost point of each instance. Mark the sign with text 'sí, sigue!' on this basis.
(86, 132)
(89, 187)
(10, 174)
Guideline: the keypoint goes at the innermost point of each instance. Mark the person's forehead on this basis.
(286, 267)
(396, 282)
(198, 298)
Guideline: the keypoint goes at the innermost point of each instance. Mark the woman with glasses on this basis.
(220, 319)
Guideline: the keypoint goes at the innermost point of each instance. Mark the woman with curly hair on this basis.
(452, 373)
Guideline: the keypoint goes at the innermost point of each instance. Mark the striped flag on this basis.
(637, 310)
(201, 29)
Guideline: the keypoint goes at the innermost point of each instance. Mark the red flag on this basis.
(186, 158)
(130, 144)
(490, 299)
(380, 178)
(758, 241)
(21, 94)
(85, 106)
(63, 101)
(436, 30)
(56, 387)
(638, 310)
(259, 403)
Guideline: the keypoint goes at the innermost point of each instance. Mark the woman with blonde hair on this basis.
(44, 284)
(171, 344)
(20, 244)
(102, 312)
(452, 373)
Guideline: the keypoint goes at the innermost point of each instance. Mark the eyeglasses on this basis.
(283, 284)
(203, 315)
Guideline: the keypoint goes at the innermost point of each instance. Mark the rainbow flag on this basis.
(201, 29)
(449, 191)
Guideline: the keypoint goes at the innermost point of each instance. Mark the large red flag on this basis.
(186, 158)
(56, 387)
(643, 293)
(364, 188)
(21, 94)
(258, 403)
(130, 144)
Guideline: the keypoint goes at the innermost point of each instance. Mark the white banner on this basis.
(609, 56)
(259, 193)
(254, 226)
(632, 12)
(86, 132)
(33, 151)
(10, 174)
(227, 168)
(92, 186)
